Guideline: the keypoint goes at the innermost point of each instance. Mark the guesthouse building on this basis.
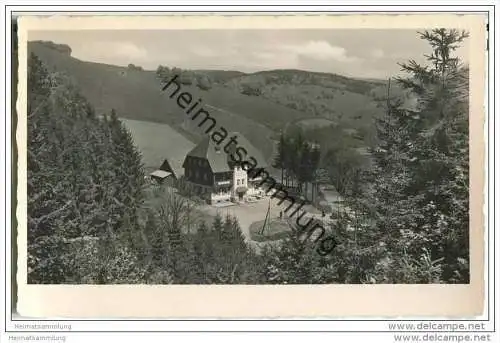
(216, 177)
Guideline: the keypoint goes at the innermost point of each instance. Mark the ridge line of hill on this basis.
(282, 96)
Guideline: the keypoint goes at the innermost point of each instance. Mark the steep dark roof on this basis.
(252, 151)
(173, 166)
(217, 157)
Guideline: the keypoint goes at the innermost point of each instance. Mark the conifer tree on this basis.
(303, 167)
(238, 238)
(201, 240)
(314, 161)
(278, 161)
(71, 179)
(227, 233)
(419, 200)
(217, 227)
(439, 153)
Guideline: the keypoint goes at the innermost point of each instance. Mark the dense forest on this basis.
(90, 221)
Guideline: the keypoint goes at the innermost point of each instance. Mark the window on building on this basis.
(238, 182)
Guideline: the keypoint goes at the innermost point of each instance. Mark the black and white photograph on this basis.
(248, 156)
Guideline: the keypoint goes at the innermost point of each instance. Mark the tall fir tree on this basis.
(419, 202)
(279, 161)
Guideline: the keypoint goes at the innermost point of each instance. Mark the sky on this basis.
(361, 53)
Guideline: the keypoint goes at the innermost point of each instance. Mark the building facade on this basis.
(214, 176)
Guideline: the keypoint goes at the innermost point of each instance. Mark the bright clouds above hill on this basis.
(356, 53)
(321, 50)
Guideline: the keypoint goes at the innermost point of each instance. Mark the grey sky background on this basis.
(351, 52)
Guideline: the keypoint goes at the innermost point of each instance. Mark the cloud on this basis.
(204, 51)
(130, 50)
(265, 55)
(377, 53)
(112, 52)
(321, 50)
(359, 53)
(273, 60)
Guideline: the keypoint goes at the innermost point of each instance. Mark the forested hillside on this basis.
(405, 219)
(409, 211)
(339, 98)
(415, 199)
(87, 222)
(348, 103)
(84, 186)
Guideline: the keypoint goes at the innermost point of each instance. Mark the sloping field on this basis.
(158, 142)
(256, 108)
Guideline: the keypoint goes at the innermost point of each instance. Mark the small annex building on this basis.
(169, 173)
